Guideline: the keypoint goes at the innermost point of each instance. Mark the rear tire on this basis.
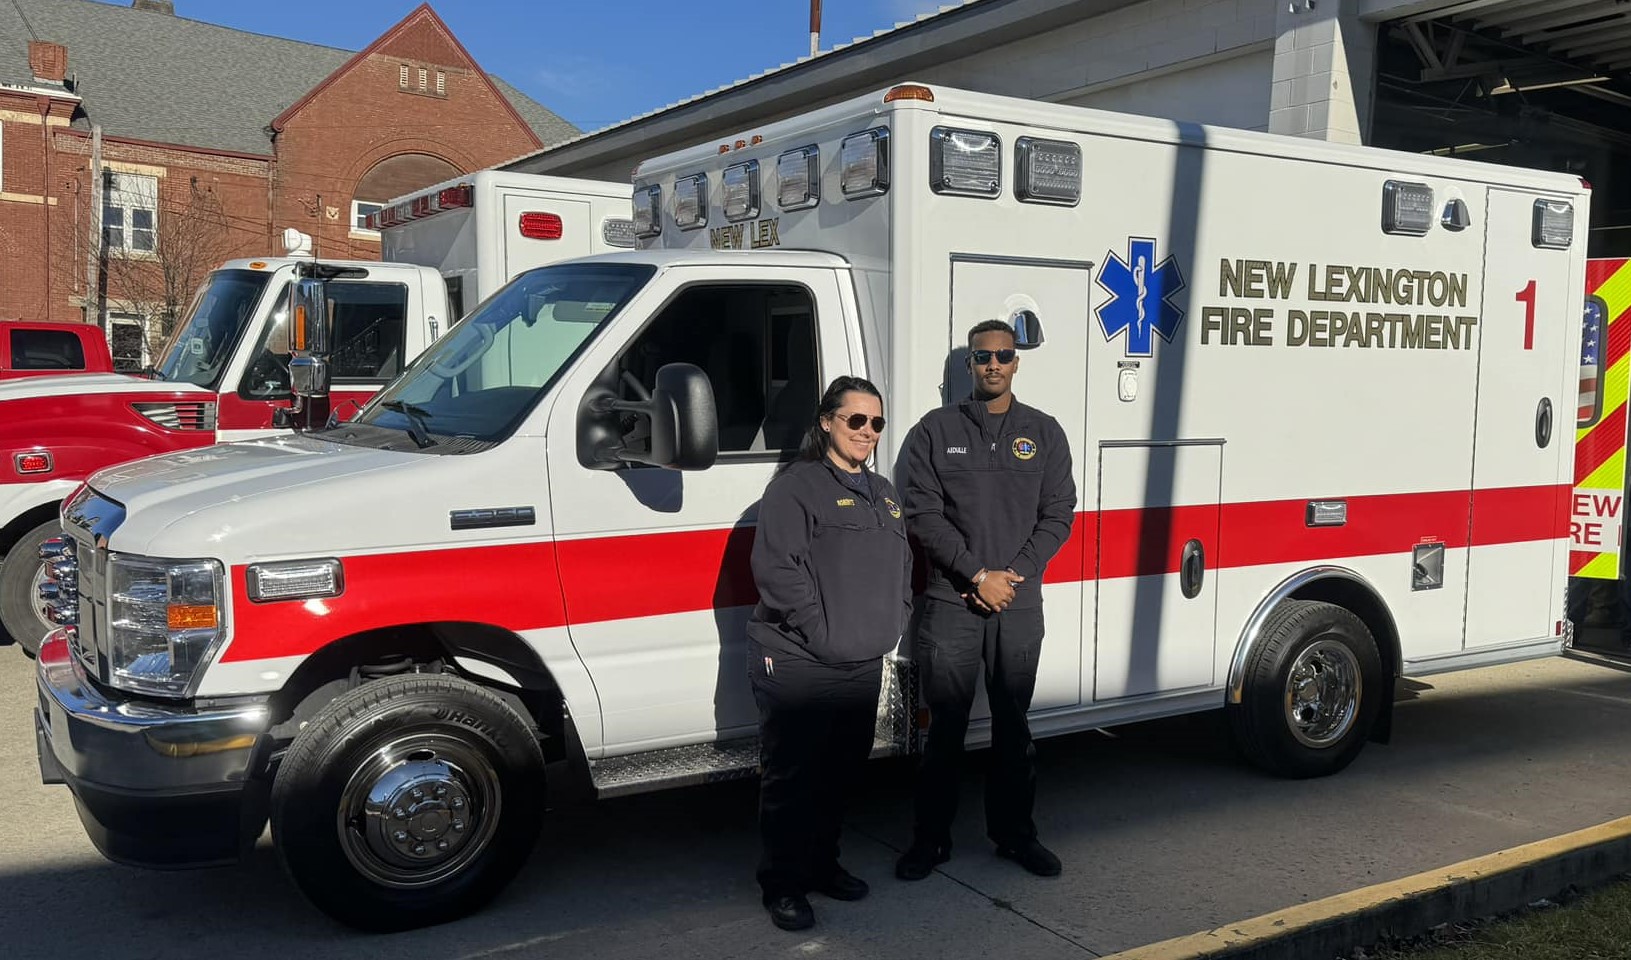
(408, 802)
(20, 588)
(1312, 690)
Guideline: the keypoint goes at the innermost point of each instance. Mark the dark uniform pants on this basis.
(954, 644)
(816, 722)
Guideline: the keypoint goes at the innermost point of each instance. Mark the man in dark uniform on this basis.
(990, 496)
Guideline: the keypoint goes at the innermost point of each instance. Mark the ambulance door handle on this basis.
(1543, 423)
(1192, 570)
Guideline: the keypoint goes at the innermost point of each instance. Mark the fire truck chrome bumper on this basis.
(156, 785)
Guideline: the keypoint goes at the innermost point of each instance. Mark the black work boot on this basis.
(791, 912)
(920, 860)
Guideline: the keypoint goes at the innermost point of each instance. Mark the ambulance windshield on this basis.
(473, 386)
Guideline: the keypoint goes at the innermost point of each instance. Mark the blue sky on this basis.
(594, 62)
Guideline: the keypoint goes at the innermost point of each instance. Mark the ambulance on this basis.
(1317, 401)
(223, 373)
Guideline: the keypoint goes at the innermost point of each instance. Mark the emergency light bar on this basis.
(648, 220)
(965, 163)
(863, 160)
(430, 204)
(1554, 224)
(1047, 171)
(1407, 208)
(798, 178)
(739, 191)
(691, 202)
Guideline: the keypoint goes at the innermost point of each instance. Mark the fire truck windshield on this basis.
(479, 381)
(202, 342)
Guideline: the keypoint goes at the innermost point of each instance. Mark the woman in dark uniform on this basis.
(834, 574)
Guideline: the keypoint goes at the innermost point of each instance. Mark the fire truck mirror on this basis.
(1027, 329)
(309, 376)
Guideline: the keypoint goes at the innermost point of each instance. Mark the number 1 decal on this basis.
(1526, 296)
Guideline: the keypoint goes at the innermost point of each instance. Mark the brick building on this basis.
(212, 141)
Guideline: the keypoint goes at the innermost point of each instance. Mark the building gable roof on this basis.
(154, 76)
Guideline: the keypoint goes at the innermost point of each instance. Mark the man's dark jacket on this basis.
(978, 498)
(833, 566)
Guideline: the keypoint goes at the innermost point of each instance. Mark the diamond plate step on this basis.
(737, 759)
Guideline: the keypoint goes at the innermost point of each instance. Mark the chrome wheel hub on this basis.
(1322, 693)
(419, 810)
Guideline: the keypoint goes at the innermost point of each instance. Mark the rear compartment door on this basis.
(1522, 443)
(1052, 378)
(540, 230)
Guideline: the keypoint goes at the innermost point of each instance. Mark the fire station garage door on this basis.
(1052, 378)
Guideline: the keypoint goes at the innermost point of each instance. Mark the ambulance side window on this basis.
(756, 343)
(370, 330)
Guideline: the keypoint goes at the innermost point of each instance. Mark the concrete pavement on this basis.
(1162, 830)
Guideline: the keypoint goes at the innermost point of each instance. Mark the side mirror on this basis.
(680, 416)
(1027, 329)
(309, 337)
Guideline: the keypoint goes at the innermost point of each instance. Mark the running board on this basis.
(896, 733)
(676, 767)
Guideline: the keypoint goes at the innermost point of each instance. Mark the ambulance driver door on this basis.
(1051, 378)
(655, 564)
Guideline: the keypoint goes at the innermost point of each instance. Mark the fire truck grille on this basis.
(179, 416)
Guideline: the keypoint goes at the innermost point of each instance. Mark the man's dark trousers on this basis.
(816, 727)
(954, 644)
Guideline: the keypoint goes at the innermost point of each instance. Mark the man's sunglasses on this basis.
(983, 357)
(856, 421)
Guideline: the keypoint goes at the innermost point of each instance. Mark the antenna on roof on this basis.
(815, 26)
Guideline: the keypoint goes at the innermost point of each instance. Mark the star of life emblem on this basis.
(1140, 304)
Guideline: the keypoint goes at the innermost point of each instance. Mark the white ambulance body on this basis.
(481, 229)
(1313, 395)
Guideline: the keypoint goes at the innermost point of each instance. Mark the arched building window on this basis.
(393, 177)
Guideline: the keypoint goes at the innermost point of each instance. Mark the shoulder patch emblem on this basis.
(846, 502)
(894, 508)
(1024, 448)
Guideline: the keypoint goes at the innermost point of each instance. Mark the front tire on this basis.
(21, 574)
(1312, 690)
(408, 802)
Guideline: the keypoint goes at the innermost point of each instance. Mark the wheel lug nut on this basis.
(419, 849)
(441, 844)
(400, 813)
(418, 794)
(458, 824)
(400, 836)
(441, 791)
(458, 803)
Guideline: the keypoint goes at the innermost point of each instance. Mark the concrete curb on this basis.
(1471, 889)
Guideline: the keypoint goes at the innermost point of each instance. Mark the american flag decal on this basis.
(1591, 360)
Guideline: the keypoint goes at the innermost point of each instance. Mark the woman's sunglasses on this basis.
(856, 421)
(983, 357)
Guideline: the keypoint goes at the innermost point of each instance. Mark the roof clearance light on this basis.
(863, 161)
(1407, 208)
(739, 191)
(798, 178)
(965, 162)
(648, 221)
(1554, 224)
(541, 226)
(1047, 171)
(691, 202)
(909, 91)
(618, 232)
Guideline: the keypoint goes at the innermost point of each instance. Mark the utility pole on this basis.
(815, 26)
(93, 255)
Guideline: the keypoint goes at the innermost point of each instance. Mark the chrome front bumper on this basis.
(156, 785)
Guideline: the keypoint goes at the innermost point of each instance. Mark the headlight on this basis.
(164, 621)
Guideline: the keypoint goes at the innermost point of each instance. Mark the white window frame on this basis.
(143, 326)
(363, 233)
(139, 192)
